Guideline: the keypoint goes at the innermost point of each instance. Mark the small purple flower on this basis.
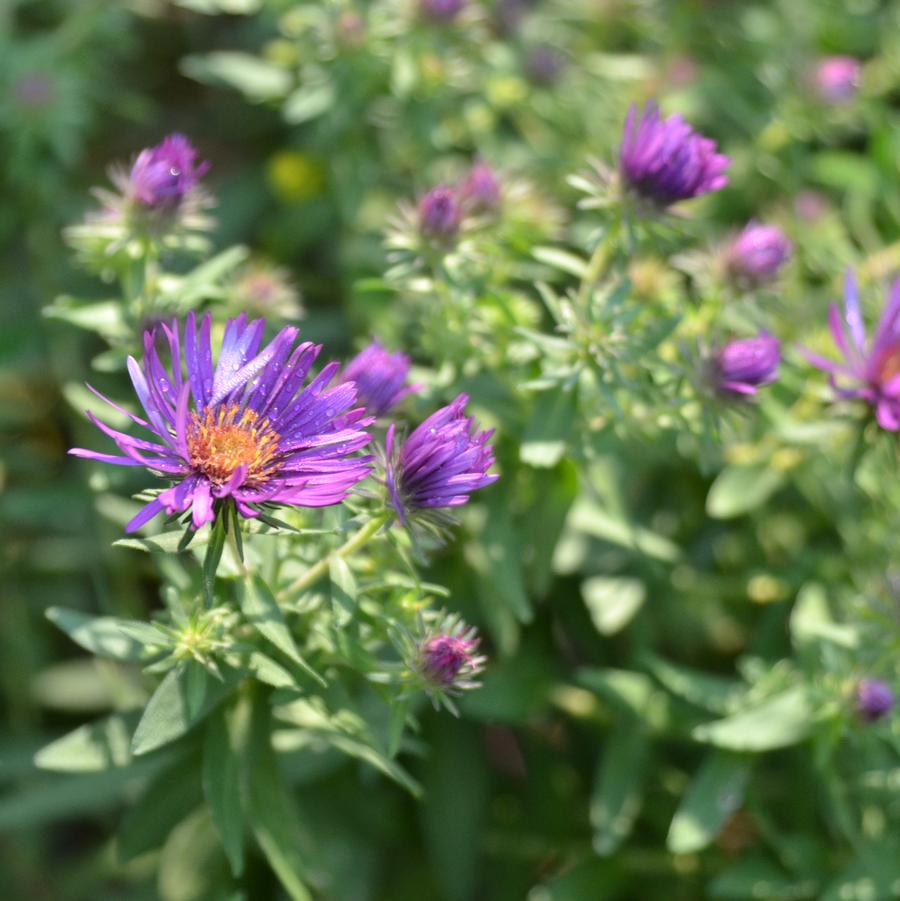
(162, 175)
(544, 64)
(873, 369)
(874, 699)
(440, 214)
(442, 10)
(758, 254)
(836, 79)
(440, 464)
(480, 191)
(665, 160)
(810, 205)
(380, 377)
(246, 429)
(444, 656)
(742, 366)
(445, 659)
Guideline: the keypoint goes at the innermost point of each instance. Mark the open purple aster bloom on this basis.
(246, 429)
(742, 366)
(440, 464)
(665, 160)
(481, 189)
(380, 378)
(872, 370)
(874, 699)
(162, 175)
(757, 254)
(836, 79)
(440, 213)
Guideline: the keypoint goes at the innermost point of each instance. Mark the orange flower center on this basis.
(221, 440)
(889, 365)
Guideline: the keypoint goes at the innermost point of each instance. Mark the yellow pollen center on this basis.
(222, 439)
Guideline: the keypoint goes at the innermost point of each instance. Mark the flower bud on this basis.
(836, 79)
(742, 366)
(874, 699)
(757, 255)
(480, 191)
(442, 10)
(439, 213)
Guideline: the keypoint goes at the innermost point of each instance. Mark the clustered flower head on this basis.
(480, 192)
(246, 429)
(874, 699)
(440, 213)
(440, 463)
(442, 10)
(742, 366)
(665, 160)
(163, 175)
(870, 371)
(836, 79)
(757, 254)
(380, 378)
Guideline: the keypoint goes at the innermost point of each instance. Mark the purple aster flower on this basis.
(872, 369)
(758, 254)
(481, 189)
(440, 213)
(246, 429)
(665, 160)
(162, 175)
(442, 10)
(440, 464)
(380, 378)
(742, 366)
(449, 661)
(836, 79)
(874, 699)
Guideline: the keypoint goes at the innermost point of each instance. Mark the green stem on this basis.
(600, 259)
(315, 572)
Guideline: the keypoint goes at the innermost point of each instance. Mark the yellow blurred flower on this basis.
(295, 176)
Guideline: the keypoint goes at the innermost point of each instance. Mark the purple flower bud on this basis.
(440, 213)
(481, 189)
(445, 656)
(442, 10)
(757, 254)
(836, 79)
(380, 378)
(162, 175)
(440, 464)
(544, 64)
(810, 205)
(665, 160)
(874, 699)
(741, 367)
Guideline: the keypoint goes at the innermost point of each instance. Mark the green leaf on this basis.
(103, 745)
(221, 787)
(618, 786)
(588, 518)
(191, 865)
(549, 427)
(183, 698)
(105, 317)
(165, 542)
(811, 621)
(256, 78)
(561, 260)
(343, 589)
(264, 614)
(307, 102)
(740, 489)
(778, 722)
(713, 796)
(101, 635)
(213, 557)
(272, 811)
(169, 797)
(757, 877)
(612, 602)
(714, 693)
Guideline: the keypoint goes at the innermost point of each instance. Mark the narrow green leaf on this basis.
(343, 588)
(549, 426)
(712, 797)
(213, 556)
(740, 489)
(264, 614)
(561, 260)
(184, 697)
(618, 786)
(777, 722)
(102, 745)
(612, 602)
(221, 787)
(101, 635)
(716, 694)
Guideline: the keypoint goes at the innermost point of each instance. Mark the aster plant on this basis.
(741, 367)
(381, 378)
(870, 370)
(246, 430)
